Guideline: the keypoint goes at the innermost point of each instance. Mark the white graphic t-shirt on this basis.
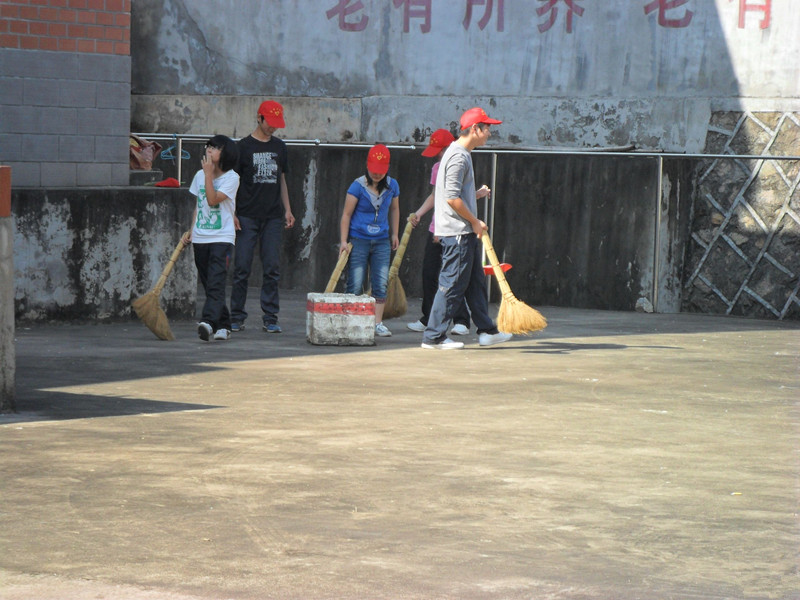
(215, 223)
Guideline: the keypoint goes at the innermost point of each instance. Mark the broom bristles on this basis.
(514, 316)
(147, 307)
(149, 312)
(396, 301)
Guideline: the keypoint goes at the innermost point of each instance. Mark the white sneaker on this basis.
(416, 326)
(221, 334)
(382, 331)
(204, 330)
(447, 344)
(490, 339)
(459, 329)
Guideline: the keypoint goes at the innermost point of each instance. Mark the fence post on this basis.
(7, 351)
(657, 236)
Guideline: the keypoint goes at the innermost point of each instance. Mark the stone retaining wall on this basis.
(744, 255)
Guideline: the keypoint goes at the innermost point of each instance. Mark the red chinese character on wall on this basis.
(765, 8)
(417, 9)
(663, 6)
(487, 13)
(552, 8)
(343, 10)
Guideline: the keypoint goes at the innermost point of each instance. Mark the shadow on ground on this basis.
(52, 357)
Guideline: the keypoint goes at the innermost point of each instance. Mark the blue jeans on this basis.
(461, 278)
(374, 254)
(268, 235)
(431, 266)
(212, 261)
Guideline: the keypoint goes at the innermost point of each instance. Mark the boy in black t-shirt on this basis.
(262, 212)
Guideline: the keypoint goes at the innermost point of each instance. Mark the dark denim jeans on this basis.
(212, 261)
(431, 265)
(268, 235)
(461, 278)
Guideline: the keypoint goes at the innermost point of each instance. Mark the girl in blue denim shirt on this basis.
(371, 219)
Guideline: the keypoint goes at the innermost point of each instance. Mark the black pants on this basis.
(431, 265)
(268, 235)
(212, 269)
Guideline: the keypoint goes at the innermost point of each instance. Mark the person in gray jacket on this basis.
(459, 230)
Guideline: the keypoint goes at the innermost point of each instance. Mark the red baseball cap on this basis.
(378, 159)
(476, 115)
(273, 113)
(440, 139)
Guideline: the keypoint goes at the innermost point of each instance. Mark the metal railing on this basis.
(629, 151)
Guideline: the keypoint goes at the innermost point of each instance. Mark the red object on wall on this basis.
(170, 182)
(5, 191)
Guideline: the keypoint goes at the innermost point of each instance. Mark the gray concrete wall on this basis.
(7, 325)
(613, 75)
(87, 253)
(64, 117)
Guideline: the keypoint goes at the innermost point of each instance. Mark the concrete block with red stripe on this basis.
(340, 320)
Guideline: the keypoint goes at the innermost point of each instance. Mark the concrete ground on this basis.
(611, 456)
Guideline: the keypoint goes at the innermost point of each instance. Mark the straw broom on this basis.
(514, 315)
(148, 308)
(396, 302)
(337, 271)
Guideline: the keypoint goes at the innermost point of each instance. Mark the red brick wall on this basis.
(93, 26)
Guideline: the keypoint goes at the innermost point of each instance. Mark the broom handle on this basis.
(498, 270)
(337, 271)
(175, 254)
(401, 249)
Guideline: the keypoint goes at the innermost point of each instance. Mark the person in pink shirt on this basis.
(432, 259)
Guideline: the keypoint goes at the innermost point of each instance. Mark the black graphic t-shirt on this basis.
(260, 167)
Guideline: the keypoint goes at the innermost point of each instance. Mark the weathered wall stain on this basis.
(85, 254)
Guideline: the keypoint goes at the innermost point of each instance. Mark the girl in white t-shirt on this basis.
(213, 234)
